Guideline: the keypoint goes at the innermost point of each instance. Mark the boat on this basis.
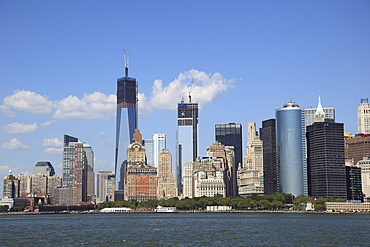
(161, 209)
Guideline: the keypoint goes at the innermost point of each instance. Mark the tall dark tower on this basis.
(270, 166)
(186, 137)
(127, 122)
(325, 160)
(231, 135)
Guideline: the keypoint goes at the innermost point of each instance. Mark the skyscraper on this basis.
(325, 160)
(125, 125)
(105, 186)
(166, 180)
(363, 117)
(271, 173)
(231, 135)
(310, 113)
(291, 149)
(78, 158)
(159, 144)
(186, 138)
(43, 167)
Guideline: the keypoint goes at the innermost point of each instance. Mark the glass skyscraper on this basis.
(159, 144)
(186, 138)
(125, 126)
(291, 149)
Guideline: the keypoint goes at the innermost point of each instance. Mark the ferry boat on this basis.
(161, 209)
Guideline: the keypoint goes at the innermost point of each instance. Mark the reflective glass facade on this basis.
(291, 149)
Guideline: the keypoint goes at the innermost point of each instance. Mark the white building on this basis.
(159, 144)
(365, 175)
(363, 117)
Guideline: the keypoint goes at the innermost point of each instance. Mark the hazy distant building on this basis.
(44, 167)
(127, 122)
(231, 135)
(271, 173)
(167, 186)
(325, 160)
(363, 117)
(310, 113)
(78, 158)
(251, 175)
(186, 138)
(141, 179)
(105, 186)
(10, 186)
(291, 149)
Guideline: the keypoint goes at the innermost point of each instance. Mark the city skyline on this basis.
(59, 69)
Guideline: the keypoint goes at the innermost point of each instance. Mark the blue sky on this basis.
(59, 62)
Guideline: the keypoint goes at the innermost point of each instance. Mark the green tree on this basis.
(16, 209)
(4, 208)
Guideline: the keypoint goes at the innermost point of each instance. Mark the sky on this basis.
(241, 60)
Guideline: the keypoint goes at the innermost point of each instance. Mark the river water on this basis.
(185, 229)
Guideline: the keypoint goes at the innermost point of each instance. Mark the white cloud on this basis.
(105, 141)
(6, 112)
(14, 144)
(204, 88)
(52, 142)
(48, 123)
(20, 128)
(144, 105)
(54, 151)
(28, 101)
(91, 106)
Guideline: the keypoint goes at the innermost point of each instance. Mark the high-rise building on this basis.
(127, 122)
(325, 160)
(39, 182)
(78, 158)
(354, 184)
(291, 149)
(251, 174)
(363, 117)
(149, 146)
(167, 187)
(159, 144)
(231, 135)
(364, 164)
(358, 147)
(43, 167)
(24, 184)
(105, 186)
(310, 113)
(271, 172)
(186, 138)
(10, 186)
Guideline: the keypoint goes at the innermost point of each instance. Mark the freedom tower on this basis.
(127, 103)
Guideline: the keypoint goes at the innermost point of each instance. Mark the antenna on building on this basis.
(365, 100)
(191, 87)
(126, 58)
(180, 95)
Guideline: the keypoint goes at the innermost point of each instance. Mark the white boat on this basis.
(161, 209)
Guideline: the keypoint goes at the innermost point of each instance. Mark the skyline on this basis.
(60, 62)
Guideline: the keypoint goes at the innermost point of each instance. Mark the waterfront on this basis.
(222, 229)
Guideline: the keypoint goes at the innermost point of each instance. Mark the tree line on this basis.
(277, 201)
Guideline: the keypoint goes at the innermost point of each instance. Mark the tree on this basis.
(16, 209)
(4, 208)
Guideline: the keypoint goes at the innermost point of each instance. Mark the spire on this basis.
(319, 114)
(126, 58)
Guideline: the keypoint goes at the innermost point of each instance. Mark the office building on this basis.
(325, 160)
(291, 149)
(167, 186)
(363, 117)
(78, 158)
(186, 138)
(271, 172)
(310, 113)
(251, 174)
(358, 147)
(364, 164)
(127, 122)
(231, 135)
(354, 184)
(149, 146)
(159, 144)
(105, 186)
(43, 167)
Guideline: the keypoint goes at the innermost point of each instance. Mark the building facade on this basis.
(167, 186)
(364, 164)
(44, 167)
(325, 160)
(358, 147)
(127, 122)
(105, 186)
(186, 138)
(363, 117)
(159, 144)
(354, 184)
(271, 172)
(10, 186)
(291, 149)
(231, 135)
